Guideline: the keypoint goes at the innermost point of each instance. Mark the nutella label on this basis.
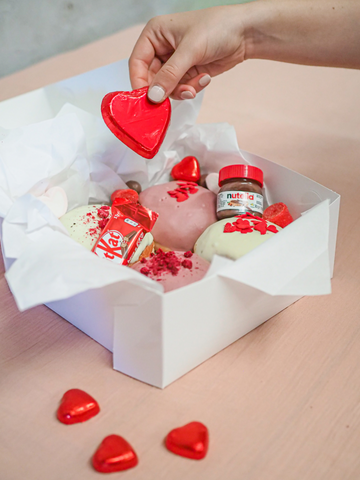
(240, 201)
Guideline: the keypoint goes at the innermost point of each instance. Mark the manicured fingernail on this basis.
(186, 95)
(156, 94)
(205, 80)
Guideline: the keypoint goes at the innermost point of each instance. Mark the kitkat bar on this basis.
(128, 224)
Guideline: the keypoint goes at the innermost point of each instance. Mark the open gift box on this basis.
(55, 136)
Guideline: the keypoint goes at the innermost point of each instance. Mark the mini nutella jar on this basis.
(240, 191)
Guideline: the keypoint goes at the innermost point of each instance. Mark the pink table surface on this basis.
(280, 403)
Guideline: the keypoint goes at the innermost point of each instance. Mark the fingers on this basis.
(140, 62)
(171, 73)
(189, 89)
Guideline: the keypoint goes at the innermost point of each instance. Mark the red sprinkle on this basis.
(229, 228)
(261, 227)
(181, 193)
(272, 228)
(243, 225)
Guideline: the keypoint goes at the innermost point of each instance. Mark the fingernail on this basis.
(156, 94)
(186, 95)
(205, 80)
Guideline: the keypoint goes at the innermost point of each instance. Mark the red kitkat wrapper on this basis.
(278, 214)
(128, 224)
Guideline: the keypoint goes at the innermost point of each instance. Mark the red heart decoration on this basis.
(191, 441)
(188, 169)
(137, 122)
(77, 406)
(113, 455)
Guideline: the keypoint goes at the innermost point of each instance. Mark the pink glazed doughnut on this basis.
(185, 210)
(173, 269)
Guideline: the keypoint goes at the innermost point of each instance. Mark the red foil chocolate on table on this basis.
(114, 454)
(77, 406)
(138, 123)
(128, 224)
(190, 441)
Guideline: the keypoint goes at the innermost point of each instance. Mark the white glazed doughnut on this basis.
(233, 244)
(86, 223)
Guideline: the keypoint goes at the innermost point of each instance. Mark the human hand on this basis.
(177, 54)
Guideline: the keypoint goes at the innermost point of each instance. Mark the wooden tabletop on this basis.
(281, 403)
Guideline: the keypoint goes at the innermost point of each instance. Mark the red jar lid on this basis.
(241, 171)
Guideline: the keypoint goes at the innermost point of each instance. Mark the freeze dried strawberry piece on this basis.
(278, 214)
(145, 271)
(103, 213)
(102, 223)
(187, 263)
(188, 254)
(229, 228)
(160, 262)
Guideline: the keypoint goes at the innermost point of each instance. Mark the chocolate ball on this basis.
(202, 181)
(133, 185)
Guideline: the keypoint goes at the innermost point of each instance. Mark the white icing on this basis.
(80, 232)
(231, 245)
(83, 230)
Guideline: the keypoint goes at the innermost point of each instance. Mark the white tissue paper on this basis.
(63, 141)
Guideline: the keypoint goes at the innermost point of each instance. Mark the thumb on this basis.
(170, 74)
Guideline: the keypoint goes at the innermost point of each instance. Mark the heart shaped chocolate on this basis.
(191, 441)
(188, 169)
(137, 122)
(113, 455)
(77, 406)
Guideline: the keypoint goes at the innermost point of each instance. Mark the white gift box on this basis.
(55, 136)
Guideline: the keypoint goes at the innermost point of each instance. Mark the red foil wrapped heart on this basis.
(137, 122)
(191, 441)
(188, 169)
(77, 406)
(113, 455)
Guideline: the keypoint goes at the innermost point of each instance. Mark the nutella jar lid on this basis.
(241, 171)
